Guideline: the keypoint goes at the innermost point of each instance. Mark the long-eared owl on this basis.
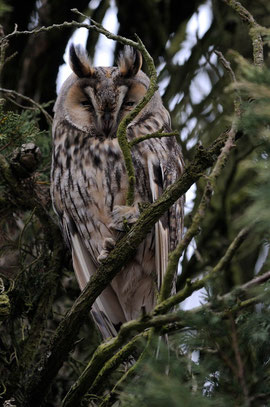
(89, 181)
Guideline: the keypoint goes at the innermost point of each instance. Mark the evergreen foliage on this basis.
(17, 129)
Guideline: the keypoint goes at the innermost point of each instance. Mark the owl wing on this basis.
(164, 171)
(161, 231)
(106, 311)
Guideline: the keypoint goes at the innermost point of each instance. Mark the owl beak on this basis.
(107, 122)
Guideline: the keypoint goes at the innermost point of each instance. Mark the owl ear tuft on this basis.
(129, 62)
(79, 62)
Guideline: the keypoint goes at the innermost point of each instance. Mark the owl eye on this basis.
(129, 103)
(87, 104)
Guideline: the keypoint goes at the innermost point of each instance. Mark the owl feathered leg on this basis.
(108, 246)
(124, 216)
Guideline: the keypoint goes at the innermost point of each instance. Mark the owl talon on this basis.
(108, 245)
(124, 217)
(103, 255)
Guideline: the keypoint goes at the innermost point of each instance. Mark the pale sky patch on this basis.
(105, 48)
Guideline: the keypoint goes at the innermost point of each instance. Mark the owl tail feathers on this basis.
(106, 311)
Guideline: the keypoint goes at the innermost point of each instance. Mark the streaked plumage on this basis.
(89, 182)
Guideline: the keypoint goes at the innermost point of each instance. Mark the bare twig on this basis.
(10, 99)
(256, 281)
(29, 100)
(227, 66)
(3, 47)
(239, 362)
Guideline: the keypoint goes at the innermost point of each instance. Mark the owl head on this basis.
(95, 100)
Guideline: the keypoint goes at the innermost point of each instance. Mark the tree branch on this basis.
(4, 302)
(157, 134)
(254, 31)
(174, 256)
(239, 362)
(190, 287)
(47, 116)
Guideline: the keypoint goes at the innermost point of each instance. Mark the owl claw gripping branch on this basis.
(89, 181)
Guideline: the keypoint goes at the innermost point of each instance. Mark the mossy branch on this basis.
(4, 302)
(254, 31)
(121, 356)
(122, 129)
(157, 134)
(131, 372)
(103, 363)
(190, 287)
(229, 303)
(174, 256)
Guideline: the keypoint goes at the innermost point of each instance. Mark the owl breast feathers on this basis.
(89, 181)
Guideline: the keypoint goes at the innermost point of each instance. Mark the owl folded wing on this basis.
(169, 228)
(106, 311)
